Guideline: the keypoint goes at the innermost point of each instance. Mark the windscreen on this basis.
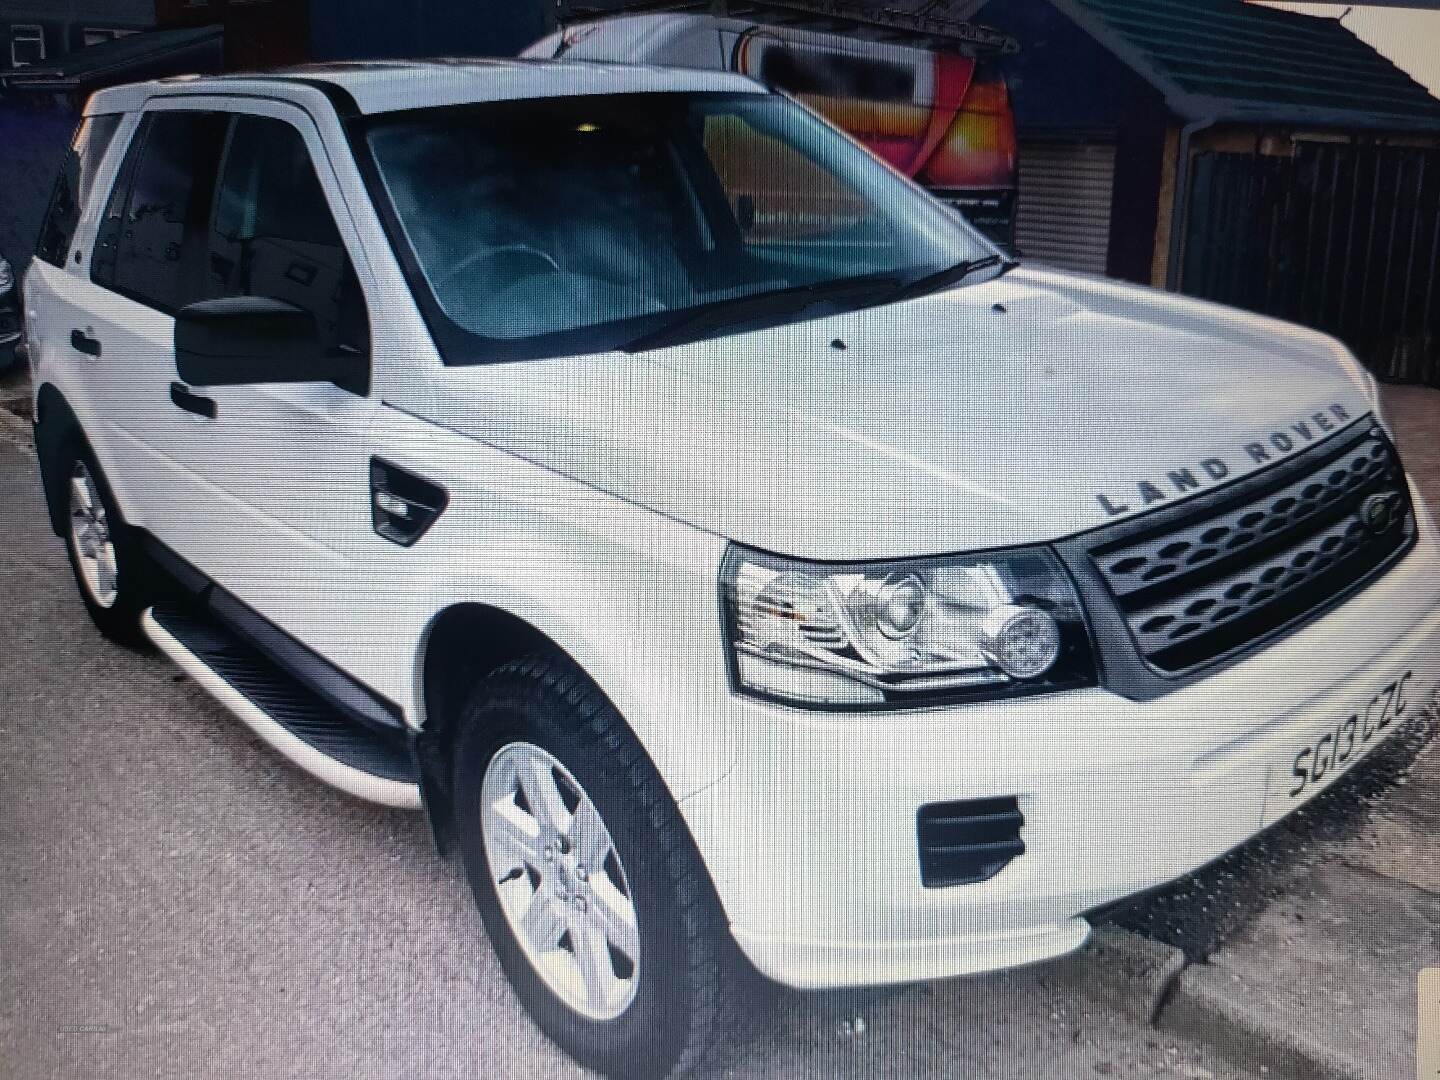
(572, 224)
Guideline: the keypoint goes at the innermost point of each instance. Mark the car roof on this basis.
(375, 86)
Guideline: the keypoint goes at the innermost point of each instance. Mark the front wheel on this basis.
(588, 882)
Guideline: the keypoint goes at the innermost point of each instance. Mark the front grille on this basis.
(1208, 584)
(962, 843)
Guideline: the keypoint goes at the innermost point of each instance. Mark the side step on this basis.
(287, 715)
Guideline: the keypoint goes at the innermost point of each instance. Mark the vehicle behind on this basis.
(9, 313)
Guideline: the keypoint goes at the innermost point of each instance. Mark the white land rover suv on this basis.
(743, 567)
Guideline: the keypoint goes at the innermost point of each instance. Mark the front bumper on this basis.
(811, 838)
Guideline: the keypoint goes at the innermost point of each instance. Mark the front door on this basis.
(141, 272)
(285, 465)
(264, 488)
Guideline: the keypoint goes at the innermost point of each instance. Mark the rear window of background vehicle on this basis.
(802, 70)
(72, 186)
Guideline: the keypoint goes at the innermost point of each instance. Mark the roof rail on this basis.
(877, 22)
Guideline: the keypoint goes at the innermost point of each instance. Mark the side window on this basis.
(273, 234)
(72, 186)
(151, 240)
(27, 44)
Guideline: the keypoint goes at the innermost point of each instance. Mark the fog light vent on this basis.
(965, 842)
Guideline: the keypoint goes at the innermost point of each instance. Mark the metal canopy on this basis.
(935, 23)
(127, 59)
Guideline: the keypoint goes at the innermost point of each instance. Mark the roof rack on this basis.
(876, 22)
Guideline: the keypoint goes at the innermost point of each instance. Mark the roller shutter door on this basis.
(1063, 214)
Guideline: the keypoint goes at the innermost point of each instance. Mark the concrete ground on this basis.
(176, 901)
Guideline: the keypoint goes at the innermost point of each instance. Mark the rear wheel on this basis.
(108, 565)
(588, 882)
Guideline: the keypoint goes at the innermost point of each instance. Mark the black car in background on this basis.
(9, 313)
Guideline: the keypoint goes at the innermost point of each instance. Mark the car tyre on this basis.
(111, 570)
(538, 720)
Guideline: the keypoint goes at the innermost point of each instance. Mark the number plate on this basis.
(1326, 755)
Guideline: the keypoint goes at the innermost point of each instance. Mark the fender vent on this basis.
(965, 842)
(403, 505)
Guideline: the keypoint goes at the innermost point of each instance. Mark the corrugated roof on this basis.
(1225, 58)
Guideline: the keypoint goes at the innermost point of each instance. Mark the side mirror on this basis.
(252, 339)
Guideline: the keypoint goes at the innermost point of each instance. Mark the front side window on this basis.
(273, 235)
(73, 185)
(152, 239)
(537, 228)
(27, 44)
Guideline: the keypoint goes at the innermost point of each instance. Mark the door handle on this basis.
(83, 342)
(200, 405)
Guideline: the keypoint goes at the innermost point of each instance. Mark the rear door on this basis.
(59, 298)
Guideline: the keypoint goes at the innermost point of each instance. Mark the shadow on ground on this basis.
(1200, 912)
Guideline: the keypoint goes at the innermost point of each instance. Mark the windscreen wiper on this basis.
(951, 275)
(692, 324)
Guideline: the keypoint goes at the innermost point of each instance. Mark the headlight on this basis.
(919, 632)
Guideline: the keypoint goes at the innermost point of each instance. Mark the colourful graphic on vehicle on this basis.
(943, 119)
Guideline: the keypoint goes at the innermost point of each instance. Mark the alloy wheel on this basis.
(560, 881)
(90, 539)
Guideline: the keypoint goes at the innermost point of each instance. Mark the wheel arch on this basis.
(462, 644)
(55, 421)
